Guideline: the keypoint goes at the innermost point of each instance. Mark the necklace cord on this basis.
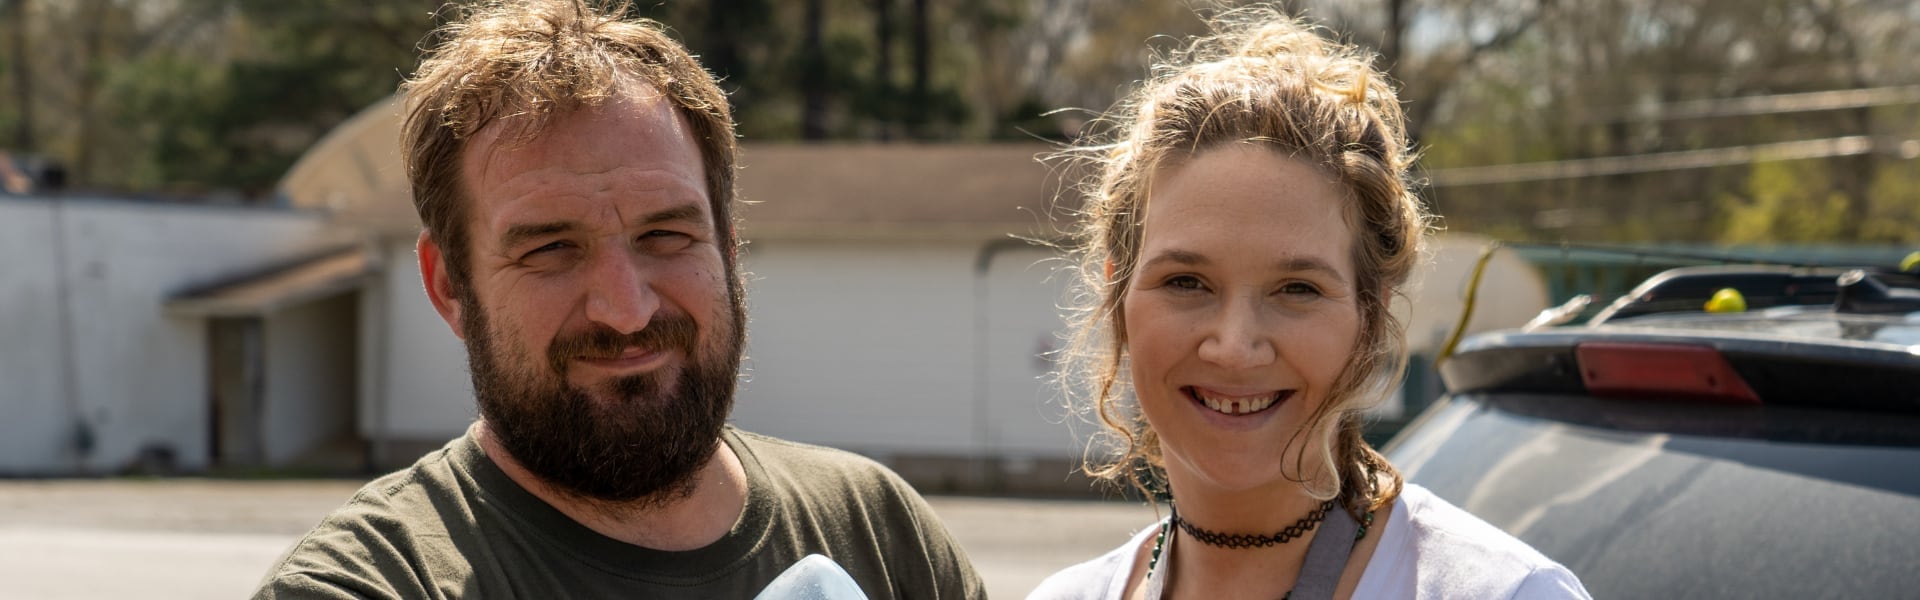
(1297, 529)
(1292, 532)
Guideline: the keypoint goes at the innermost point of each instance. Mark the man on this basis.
(574, 172)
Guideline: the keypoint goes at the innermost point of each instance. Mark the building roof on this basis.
(355, 173)
(837, 190)
(268, 290)
(795, 190)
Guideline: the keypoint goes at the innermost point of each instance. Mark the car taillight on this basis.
(1674, 371)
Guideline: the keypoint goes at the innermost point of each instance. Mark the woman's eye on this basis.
(1184, 282)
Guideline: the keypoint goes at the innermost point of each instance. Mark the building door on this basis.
(236, 379)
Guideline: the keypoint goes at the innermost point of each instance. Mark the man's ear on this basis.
(439, 282)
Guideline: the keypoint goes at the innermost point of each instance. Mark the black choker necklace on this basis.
(1335, 551)
(1239, 540)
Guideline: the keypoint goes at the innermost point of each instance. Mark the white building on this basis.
(110, 356)
(892, 312)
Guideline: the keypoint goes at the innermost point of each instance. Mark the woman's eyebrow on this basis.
(1294, 264)
(1290, 264)
(1177, 256)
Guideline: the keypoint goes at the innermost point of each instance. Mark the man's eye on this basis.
(1298, 288)
(665, 240)
(551, 246)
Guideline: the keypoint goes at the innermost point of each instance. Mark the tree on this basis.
(1106, 46)
(296, 69)
(1629, 77)
(21, 70)
(190, 96)
(920, 55)
(883, 68)
(814, 73)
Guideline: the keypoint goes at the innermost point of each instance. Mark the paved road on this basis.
(191, 538)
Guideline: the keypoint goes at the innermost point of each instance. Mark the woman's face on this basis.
(1241, 313)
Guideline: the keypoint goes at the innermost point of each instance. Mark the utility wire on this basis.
(1773, 104)
(1852, 145)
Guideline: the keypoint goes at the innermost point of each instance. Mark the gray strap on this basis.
(1319, 574)
(1327, 556)
(1157, 578)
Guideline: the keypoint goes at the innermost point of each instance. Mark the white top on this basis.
(1429, 549)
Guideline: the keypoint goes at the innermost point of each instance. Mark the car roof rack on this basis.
(1891, 295)
(1848, 290)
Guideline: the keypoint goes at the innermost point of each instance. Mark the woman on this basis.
(1247, 225)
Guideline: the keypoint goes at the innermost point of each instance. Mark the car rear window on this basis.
(1641, 505)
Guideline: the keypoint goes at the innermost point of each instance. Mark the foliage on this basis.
(1893, 214)
(203, 96)
(1784, 202)
(188, 96)
(1605, 79)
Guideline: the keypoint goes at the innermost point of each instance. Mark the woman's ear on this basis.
(1109, 270)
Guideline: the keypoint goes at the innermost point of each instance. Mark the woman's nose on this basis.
(1237, 338)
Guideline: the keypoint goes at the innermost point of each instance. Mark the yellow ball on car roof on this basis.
(1727, 300)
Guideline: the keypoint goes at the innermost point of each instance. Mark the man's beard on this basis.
(643, 442)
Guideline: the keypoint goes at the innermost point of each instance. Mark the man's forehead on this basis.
(637, 143)
(523, 119)
(635, 105)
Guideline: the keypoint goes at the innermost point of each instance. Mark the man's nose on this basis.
(1237, 337)
(620, 293)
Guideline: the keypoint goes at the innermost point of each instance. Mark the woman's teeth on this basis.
(1239, 405)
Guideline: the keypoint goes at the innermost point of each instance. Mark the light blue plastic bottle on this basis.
(815, 577)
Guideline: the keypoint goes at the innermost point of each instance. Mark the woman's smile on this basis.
(1239, 405)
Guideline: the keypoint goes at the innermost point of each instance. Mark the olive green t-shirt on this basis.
(455, 526)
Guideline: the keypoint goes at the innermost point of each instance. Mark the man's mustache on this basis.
(664, 332)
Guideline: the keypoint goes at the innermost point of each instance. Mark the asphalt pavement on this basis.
(202, 538)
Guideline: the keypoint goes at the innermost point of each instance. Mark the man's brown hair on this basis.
(521, 63)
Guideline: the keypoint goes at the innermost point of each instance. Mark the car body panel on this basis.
(1664, 451)
(1642, 500)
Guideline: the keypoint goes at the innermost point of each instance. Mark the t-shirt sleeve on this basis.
(305, 586)
(350, 555)
(953, 574)
(1552, 582)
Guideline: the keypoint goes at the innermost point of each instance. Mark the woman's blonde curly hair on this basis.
(1260, 78)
